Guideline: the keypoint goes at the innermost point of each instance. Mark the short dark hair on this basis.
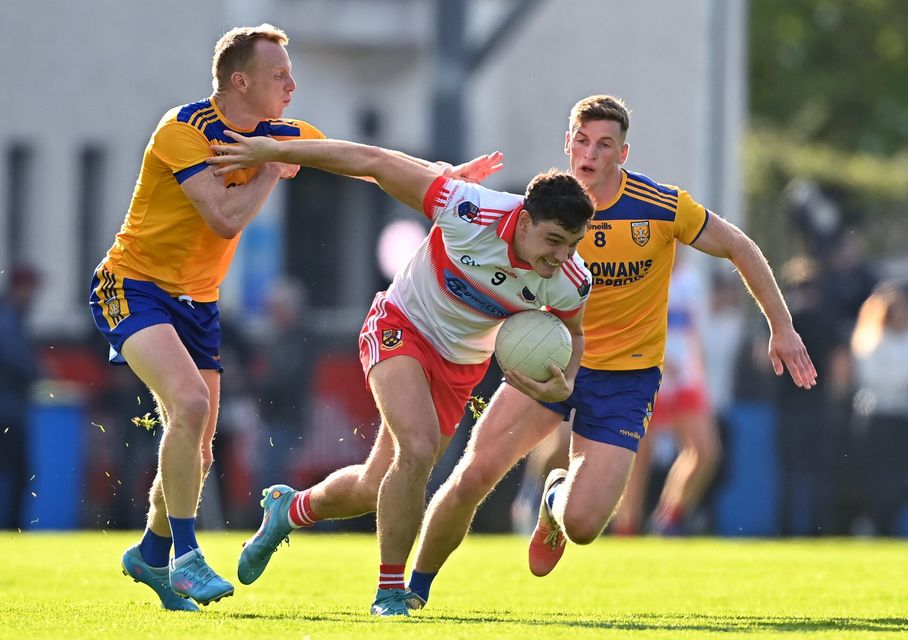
(600, 107)
(556, 195)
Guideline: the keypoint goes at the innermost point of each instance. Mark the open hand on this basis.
(246, 152)
(787, 351)
(477, 169)
(555, 389)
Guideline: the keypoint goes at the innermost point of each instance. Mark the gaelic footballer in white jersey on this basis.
(474, 280)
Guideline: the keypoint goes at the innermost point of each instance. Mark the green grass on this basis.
(69, 586)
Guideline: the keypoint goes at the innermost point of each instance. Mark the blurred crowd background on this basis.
(761, 109)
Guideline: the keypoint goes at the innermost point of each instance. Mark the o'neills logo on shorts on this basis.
(391, 338)
(629, 434)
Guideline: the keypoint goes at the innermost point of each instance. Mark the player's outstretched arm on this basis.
(786, 349)
(402, 178)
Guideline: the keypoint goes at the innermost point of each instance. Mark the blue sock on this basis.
(183, 530)
(155, 549)
(420, 583)
(550, 496)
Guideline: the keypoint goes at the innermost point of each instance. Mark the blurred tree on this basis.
(827, 106)
(831, 71)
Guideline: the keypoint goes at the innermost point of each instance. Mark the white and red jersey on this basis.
(465, 278)
(684, 366)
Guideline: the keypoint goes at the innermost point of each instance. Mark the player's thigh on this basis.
(508, 429)
(159, 359)
(404, 400)
(597, 477)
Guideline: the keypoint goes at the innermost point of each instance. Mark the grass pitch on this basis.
(69, 586)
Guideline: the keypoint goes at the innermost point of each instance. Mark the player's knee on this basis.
(582, 528)
(367, 488)
(418, 450)
(475, 481)
(190, 409)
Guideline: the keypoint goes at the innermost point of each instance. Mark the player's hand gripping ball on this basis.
(530, 341)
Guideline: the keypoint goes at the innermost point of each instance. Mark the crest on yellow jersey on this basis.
(640, 232)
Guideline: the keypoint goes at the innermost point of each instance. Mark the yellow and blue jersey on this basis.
(629, 250)
(163, 238)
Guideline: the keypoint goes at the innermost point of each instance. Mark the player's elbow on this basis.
(225, 229)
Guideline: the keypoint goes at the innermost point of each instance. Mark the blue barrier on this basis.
(747, 502)
(56, 455)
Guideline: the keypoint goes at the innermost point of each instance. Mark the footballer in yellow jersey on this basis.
(629, 250)
(163, 238)
(154, 295)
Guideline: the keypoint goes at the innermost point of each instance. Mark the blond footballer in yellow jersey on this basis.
(154, 295)
(163, 238)
(629, 250)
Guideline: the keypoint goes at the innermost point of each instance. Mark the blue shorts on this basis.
(123, 306)
(613, 407)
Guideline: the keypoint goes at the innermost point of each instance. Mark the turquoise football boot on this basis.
(274, 530)
(191, 577)
(390, 602)
(158, 578)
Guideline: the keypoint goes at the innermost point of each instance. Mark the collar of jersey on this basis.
(507, 226)
(230, 125)
(615, 198)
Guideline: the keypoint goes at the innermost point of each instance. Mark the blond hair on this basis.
(235, 48)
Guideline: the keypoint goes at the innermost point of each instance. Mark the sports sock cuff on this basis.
(183, 530)
(301, 513)
(421, 583)
(390, 576)
(550, 496)
(155, 549)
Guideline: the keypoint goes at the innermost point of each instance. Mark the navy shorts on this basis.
(123, 306)
(613, 407)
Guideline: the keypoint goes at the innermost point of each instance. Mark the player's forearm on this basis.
(758, 277)
(573, 366)
(336, 156)
(240, 204)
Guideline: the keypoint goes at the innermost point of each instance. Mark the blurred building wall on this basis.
(98, 74)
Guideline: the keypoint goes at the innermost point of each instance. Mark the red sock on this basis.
(301, 513)
(391, 576)
(673, 516)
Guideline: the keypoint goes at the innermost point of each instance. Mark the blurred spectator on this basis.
(810, 425)
(820, 217)
(682, 418)
(848, 278)
(239, 448)
(879, 427)
(727, 319)
(283, 381)
(19, 369)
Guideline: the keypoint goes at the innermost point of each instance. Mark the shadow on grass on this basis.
(641, 622)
